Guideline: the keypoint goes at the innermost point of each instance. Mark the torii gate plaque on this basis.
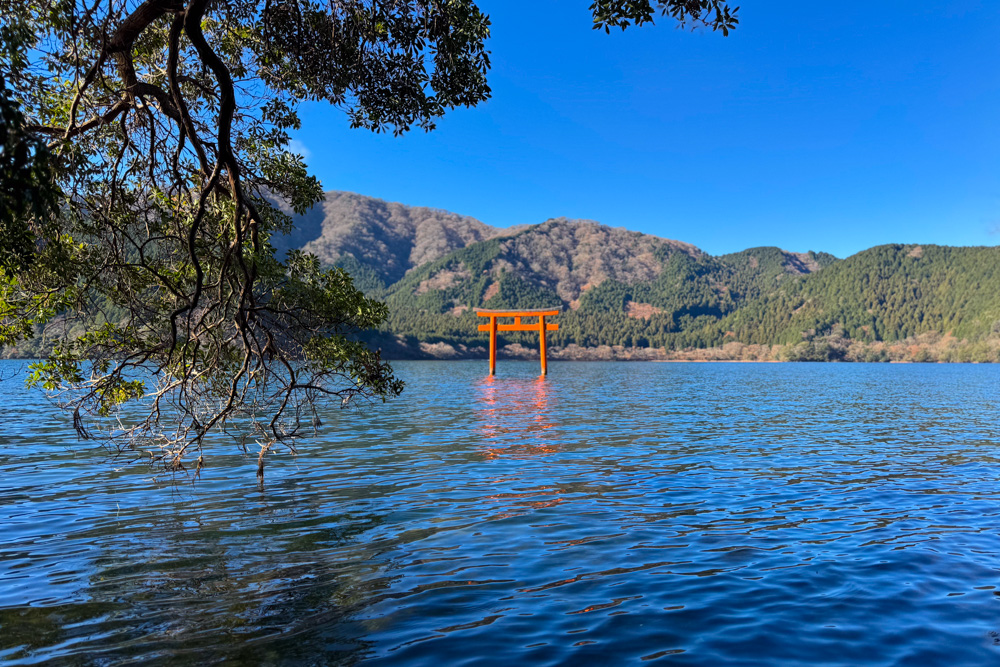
(541, 327)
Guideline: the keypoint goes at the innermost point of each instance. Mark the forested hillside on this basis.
(616, 287)
(624, 294)
(885, 294)
(894, 302)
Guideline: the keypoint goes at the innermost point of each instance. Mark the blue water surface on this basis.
(613, 513)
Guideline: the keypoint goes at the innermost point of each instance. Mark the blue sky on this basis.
(814, 126)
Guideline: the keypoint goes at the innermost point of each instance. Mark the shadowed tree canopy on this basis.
(27, 192)
(143, 146)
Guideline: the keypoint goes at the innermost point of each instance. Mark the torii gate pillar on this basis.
(541, 327)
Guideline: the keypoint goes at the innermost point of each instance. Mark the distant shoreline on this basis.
(926, 348)
(502, 359)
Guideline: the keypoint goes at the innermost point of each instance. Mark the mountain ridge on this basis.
(626, 294)
(392, 239)
(629, 295)
(386, 238)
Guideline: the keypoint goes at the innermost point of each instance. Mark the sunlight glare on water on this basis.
(710, 514)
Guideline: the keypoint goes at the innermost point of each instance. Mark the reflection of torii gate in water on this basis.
(541, 327)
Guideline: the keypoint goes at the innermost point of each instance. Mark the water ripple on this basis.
(613, 513)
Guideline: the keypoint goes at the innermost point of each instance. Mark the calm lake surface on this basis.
(708, 514)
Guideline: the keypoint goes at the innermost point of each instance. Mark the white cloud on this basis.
(297, 146)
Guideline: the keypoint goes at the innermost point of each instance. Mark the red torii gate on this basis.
(541, 327)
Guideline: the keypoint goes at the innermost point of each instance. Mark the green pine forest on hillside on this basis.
(626, 295)
(893, 302)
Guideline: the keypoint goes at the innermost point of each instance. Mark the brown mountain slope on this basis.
(441, 262)
(555, 262)
(386, 237)
(569, 257)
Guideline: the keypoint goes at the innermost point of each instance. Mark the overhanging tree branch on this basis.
(176, 318)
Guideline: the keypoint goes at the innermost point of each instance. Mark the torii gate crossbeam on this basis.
(541, 327)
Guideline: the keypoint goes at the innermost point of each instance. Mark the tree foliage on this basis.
(167, 124)
(163, 127)
(624, 13)
(27, 193)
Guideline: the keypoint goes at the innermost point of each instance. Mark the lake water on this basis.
(614, 513)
